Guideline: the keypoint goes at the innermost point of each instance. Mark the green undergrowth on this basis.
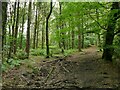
(69, 52)
(36, 56)
(38, 52)
(53, 52)
(10, 63)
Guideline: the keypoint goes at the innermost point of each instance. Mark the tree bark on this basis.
(13, 28)
(34, 36)
(4, 20)
(43, 36)
(23, 21)
(61, 33)
(28, 30)
(37, 37)
(16, 29)
(108, 49)
(47, 33)
(79, 39)
(82, 34)
(10, 35)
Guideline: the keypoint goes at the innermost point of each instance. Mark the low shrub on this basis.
(10, 63)
(70, 51)
(21, 54)
(37, 52)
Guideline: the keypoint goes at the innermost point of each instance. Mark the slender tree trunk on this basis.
(99, 41)
(34, 36)
(4, 20)
(108, 49)
(37, 37)
(10, 35)
(69, 40)
(43, 36)
(82, 34)
(28, 30)
(47, 33)
(79, 39)
(13, 28)
(61, 33)
(23, 21)
(16, 29)
(82, 46)
(38, 26)
(73, 38)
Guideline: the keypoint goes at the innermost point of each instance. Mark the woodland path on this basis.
(83, 69)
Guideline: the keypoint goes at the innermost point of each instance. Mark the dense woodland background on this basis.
(49, 28)
(61, 44)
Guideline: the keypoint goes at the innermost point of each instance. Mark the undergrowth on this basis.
(10, 63)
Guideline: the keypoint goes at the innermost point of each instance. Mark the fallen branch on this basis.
(64, 68)
(24, 78)
(49, 74)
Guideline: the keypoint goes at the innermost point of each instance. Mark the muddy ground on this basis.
(83, 69)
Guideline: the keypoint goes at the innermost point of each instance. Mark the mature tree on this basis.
(62, 40)
(10, 29)
(113, 16)
(4, 20)
(35, 28)
(47, 35)
(13, 29)
(23, 22)
(16, 29)
(28, 30)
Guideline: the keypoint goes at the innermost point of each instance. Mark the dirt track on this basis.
(80, 70)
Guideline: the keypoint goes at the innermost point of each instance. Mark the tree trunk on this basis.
(37, 37)
(28, 30)
(4, 20)
(34, 36)
(47, 33)
(69, 40)
(10, 35)
(98, 34)
(61, 33)
(16, 29)
(79, 39)
(82, 34)
(23, 21)
(73, 38)
(13, 28)
(43, 36)
(108, 49)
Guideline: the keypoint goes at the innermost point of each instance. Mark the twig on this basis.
(49, 74)
(64, 68)
(25, 79)
(97, 22)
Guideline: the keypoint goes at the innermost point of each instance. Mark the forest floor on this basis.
(83, 69)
